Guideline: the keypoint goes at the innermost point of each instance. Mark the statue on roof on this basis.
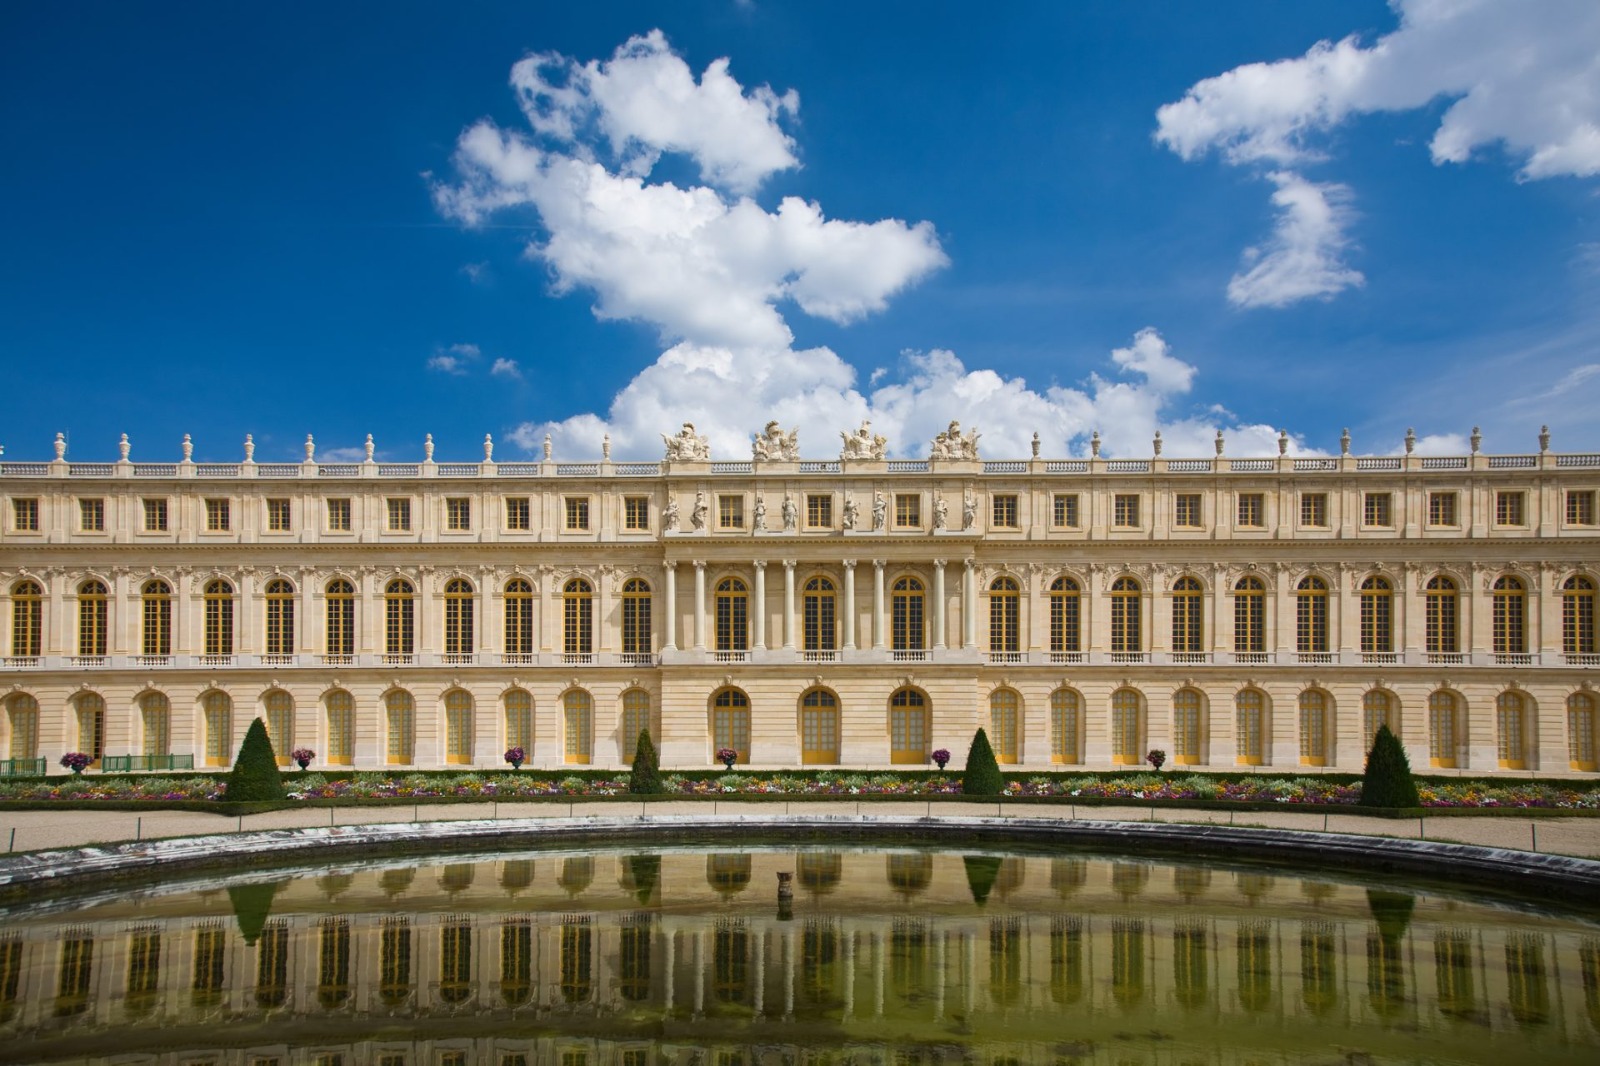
(773, 445)
(951, 444)
(863, 443)
(687, 445)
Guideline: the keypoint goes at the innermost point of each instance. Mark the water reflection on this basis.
(683, 958)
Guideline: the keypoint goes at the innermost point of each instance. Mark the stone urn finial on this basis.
(61, 445)
(369, 448)
(1156, 442)
(1094, 444)
(311, 449)
(1036, 444)
(1544, 438)
(1477, 439)
(605, 448)
(488, 448)
(123, 448)
(1283, 442)
(547, 447)
(1344, 441)
(1220, 443)
(1411, 440)
(249, 447)
(427, 449)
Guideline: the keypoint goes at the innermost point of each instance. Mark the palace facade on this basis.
(855, 612)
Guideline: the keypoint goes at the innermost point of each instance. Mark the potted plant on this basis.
(302, 757)
(516, 757)
(1156, 758)
(727, 756)
(941, 756)
(76, 761)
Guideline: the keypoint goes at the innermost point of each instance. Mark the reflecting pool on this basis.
(893, 957)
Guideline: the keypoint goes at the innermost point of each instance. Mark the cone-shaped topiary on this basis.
(646, 871)
(982, 872)
(255, 777)
(982, 775)
(1387, 781)
(252, 906)
(645, 780)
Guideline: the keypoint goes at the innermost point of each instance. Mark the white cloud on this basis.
(477, 273)
(454, 359)
(1303, 257)
(506, 368)
(354, 454)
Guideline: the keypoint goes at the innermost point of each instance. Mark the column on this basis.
(938, 963)
(850, 972)
(849, 605)
(877, 604)
(788, 973)
(699, 966)
(877, 973)
(669, 994)
(669, 612)
(759, 637)
(969, 598)
(760, 982)
(699, 605)
(788, 605)
(938, 604)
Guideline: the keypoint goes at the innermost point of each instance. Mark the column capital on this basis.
(848, 564)
(878, 564)
(790, 564)
(760, 565)
(699, 564)
(939, 564)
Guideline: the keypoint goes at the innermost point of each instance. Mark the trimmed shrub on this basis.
(982, 872)
(252, 906)
(645, 780)
(255, 777)
(1387, 781)
(982, 775)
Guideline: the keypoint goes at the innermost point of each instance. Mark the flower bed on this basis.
(513, 785)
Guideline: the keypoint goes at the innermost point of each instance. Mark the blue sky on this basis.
(339, 220)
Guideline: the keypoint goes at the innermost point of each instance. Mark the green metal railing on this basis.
(122, 764)
(21, 767)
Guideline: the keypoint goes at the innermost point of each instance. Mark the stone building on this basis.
(854, 612)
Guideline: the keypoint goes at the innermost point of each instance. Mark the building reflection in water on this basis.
(897, 957)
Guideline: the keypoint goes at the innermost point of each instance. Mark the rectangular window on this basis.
(219, 518)
(1377, 509)
(155, 516)
(1580, 508)
(819, 512)
(1509, 509)
(730, 512)
(457, 513)
(25, 515)
(399, 515)
(1252, 510)
(339, 515)
(636, 512)
(907, 510)
(1314, 509)
(1441, 508)
(1064, 510)
(1005, 512)
(577, 512)
(1186, 510)
(519, 515)
(278, 516)
(1125, 511)
(92, 515)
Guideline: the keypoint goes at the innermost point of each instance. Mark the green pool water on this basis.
(893, 957)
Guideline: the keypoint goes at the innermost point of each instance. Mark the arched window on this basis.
(1581, 736)
(730, 722)
(399, 620)
(27, 620)
(1186, 615)
(1187, 728)
(22, 718)
(577, 618)
(402, 727)
(819, 727)
(1005, 613)
(1313, 728)
(518, 706)
(519, 620)
(908, 727)
(1249, 726)
(817, 615)
(1577, 616)
(155, 599)
(341, 614)
(1066, 616)
(638, 636)
(92, 609)
(1005, 725)
(1311, 616)
(1377, 616)
(157, 719)
(280, 724)
(1510, 617)
(1443, 711)
(341, 708)
(1511, 719)
(577, 712)
(458, 641)
(1127, 727)
(91, 708)
(218, 597)
(217, 710)
(458, 727)
(732, 615)
(280, 618)
(905, 607)
(1249, 616)
(1377, 709)
(1126, 636)
(1066, 726)
(635, 720)
(1442, 628)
